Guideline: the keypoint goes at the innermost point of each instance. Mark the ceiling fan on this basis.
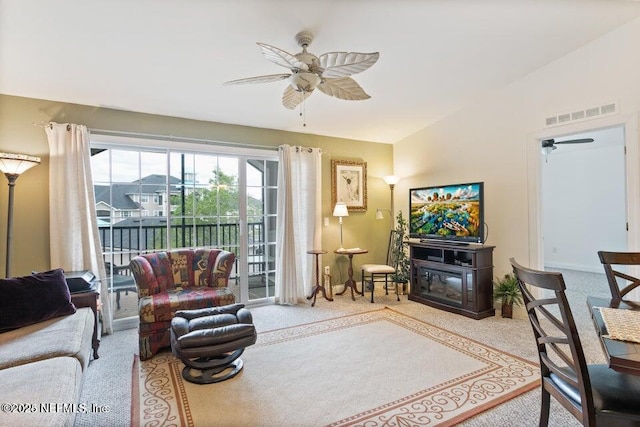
(329, 72)
(548, 145)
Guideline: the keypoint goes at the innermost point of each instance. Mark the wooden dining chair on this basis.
(594, 394)
(620, 283)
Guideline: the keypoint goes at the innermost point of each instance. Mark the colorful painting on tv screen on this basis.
(447, 212)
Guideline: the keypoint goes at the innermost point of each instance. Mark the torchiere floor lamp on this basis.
(392, 180)
(12, 165)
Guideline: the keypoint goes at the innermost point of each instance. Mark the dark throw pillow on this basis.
(32, 299)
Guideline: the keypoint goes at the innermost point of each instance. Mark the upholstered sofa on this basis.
(177, 280)
(42, 363)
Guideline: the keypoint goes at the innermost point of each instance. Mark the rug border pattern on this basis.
(442, 404)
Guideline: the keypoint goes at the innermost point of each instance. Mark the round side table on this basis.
(350, 283)
(318, 287)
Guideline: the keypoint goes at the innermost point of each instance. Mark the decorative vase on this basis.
(507, 310)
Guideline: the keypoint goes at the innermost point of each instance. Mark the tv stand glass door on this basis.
(447, 286)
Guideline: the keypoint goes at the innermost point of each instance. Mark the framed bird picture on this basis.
(349, 184)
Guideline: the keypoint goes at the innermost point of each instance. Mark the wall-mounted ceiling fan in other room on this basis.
(548, 145)
(329, 72)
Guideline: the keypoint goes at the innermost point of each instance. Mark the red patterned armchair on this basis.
(177, 280)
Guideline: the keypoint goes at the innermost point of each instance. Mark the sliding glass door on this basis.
(261, 180)
(152, 199)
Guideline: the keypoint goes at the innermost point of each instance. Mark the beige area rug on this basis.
(379, 368)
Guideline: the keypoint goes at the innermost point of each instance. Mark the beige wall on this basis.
(31, 219)
(495, 139)
(488, 142)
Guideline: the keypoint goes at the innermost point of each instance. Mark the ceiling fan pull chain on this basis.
(303, 110)
(300, 106)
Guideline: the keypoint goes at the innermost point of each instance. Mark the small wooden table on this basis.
(623, 356)
(318, 287)
(350, 283)
(89, 299)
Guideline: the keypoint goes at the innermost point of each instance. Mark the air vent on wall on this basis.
(577, 115)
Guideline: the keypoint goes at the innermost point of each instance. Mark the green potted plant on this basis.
(403, 264)
(507, 291)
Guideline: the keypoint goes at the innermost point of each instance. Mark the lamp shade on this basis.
(340, 209)
(379, 214)
(391, 179)
(15, 164)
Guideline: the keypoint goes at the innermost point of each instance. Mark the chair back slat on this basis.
(620, 283)
(392, 250)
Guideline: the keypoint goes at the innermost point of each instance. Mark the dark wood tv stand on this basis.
(456, 278)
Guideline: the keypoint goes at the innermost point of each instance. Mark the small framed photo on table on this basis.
(349, 184)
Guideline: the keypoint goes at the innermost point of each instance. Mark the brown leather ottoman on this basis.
(209, 341)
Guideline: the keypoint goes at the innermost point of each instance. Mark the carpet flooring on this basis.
(331, 373)
(108, 379)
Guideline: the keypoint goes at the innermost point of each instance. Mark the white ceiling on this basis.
(171, 57)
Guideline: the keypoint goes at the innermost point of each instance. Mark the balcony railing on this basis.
(121, 244)
(124, 242)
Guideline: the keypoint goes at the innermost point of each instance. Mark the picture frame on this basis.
(349, 184)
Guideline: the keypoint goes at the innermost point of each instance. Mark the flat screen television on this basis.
(453, 213)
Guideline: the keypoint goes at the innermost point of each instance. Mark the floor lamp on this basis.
(340, 210)
(392, 181)
(12, 165)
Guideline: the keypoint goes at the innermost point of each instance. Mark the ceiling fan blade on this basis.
(343, 88)
(342, 64)
(259, 79)
(291, 97)
(575, 141)
(281, 57)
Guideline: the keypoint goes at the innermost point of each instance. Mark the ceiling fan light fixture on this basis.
(329, 72)
(304, 82)
(547, 150)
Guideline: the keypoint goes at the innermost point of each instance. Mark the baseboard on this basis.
(126, 323)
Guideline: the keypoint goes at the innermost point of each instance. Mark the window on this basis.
(171, 198)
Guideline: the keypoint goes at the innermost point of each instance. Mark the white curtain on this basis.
(75, 242)
(298, 224)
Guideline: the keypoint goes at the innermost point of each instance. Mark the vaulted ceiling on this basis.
(172, 57)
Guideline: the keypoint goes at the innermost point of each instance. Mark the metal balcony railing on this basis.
(124, 242)
(121, 244)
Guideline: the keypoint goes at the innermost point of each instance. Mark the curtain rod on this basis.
(43, 125)
(301, 148)
(107, 132)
